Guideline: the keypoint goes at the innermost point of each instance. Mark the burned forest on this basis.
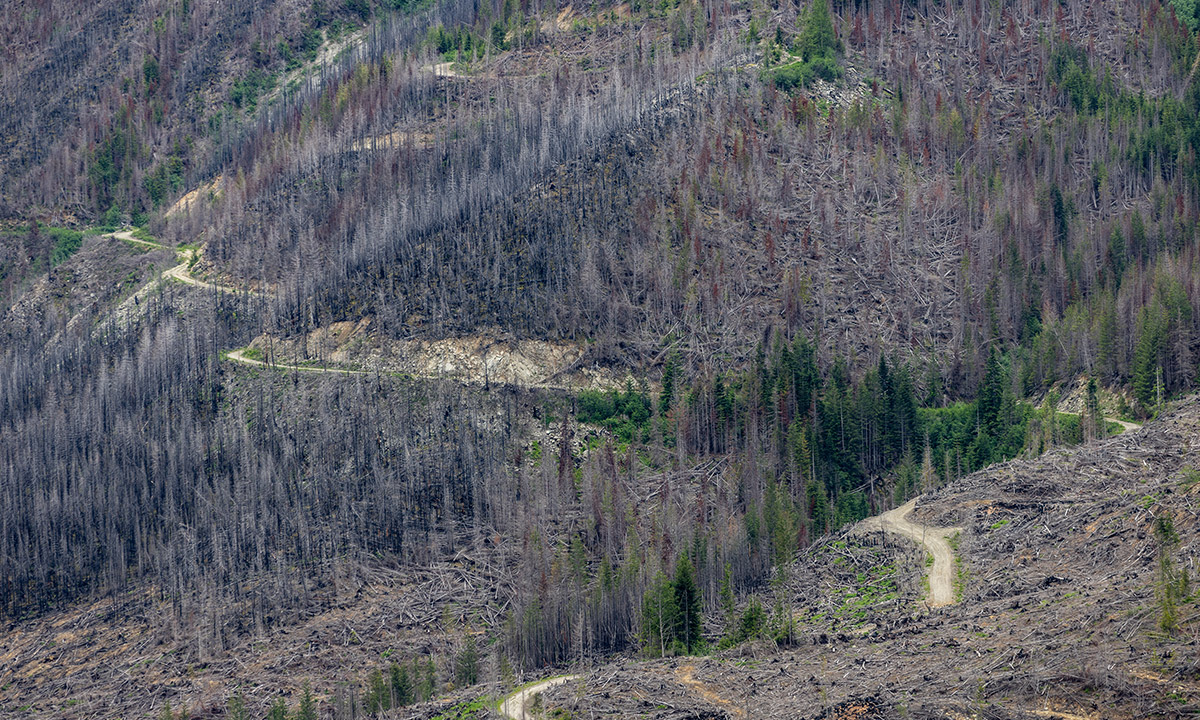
(678, 359)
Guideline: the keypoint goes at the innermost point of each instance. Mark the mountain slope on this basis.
(758, 272)
(1061, 612)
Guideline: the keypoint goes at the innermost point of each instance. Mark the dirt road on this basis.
(180, 271)
(1125, 425)
(240, 356)
(514, 706)
(687, 676)
(941, 575)
(128, 237)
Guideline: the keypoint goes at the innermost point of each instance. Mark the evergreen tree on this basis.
(687, 605)
(753, 622)
(801, 455)
(886, 408)
(1170, 585)
(728, 604)
(1116, 256)
(278, 710)
(659, 615)
(817, 39)
(308, 704)
(670, 373)
(1187, 12)
(1147, 356)
(781, 525)
(904, 411)
(818, 508)
(1107, 335)
(467, 667)
(991, 395)
(401, 685)
(1137, 236)
(377, 697)
(429, 683)
(237, 707)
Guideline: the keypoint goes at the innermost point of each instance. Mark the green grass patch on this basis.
(143, 234)
(137, 247)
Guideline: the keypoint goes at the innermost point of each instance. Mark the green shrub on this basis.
(246, 91)
(623, 413)
(66, 242)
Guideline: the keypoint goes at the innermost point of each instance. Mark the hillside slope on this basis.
(487, 329)
(1059, 615)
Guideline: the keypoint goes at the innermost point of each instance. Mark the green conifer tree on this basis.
(728, 603)
(817, 40)
(1152, 337)
(687, 604)
(278, 710)
(378, 696)
(659, 615)
(402, 691)
(991, 395)
(307, 710)
(467, 666)
(237, 707)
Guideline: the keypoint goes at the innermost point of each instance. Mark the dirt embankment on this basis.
(480, 360)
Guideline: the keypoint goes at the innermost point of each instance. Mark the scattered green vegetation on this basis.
(817, 46)
(960, 568)
(622, 413)
(166, 178)
(1174, 586)
(750, 625)
(248, 89)
(466, 710)
(671, 619)
(456, 44)
(873, 586)
(1187, 12)
(66, 242)
(1189, 478)
(401, 685)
